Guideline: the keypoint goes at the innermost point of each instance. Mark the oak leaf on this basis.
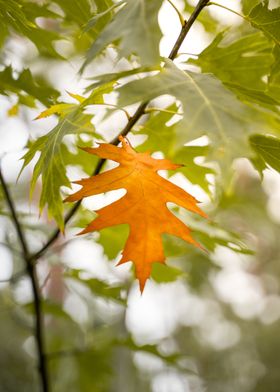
(143, 207)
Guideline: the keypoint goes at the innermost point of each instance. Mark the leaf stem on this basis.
(116, 107)
(31, 271)
(140, 111)
(181, 17)
(150, 109)
(228, 9)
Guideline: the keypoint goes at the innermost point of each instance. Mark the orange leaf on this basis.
(143, 207)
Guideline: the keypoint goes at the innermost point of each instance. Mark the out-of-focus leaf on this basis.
(210, 234)
(148, 348)
(164, 273)
(136, 26)
(274, 79)
(78, 157)
(24, 83)
(192, 171)
(50, 308)
(13, 111)
(205, 17)
(92, 22)
(113, 240)
(99, 288)
(163, 137)
(248, 5)
(267, 20)
(20, 16)
(268, 148)
(75, 11)
(160, 136)
(17, 369)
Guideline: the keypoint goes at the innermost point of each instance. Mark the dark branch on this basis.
(132, 121)
(31, 271)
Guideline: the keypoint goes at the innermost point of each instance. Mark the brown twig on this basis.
(140, 111)
(31, 271)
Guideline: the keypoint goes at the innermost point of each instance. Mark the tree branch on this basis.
(140, 111)
(31, 271)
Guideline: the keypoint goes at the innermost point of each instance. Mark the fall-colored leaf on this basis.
(143, 207)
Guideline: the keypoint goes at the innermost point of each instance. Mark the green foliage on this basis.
(51, 165)
(268, 149)
(20, 16)
(267, 20)
(141, 38)
(221, 327)
(243, 61)
(26, 88)
(209, 108)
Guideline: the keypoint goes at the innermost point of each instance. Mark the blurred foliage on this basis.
(216, 333)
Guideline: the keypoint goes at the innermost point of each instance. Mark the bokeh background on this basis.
(210, 324)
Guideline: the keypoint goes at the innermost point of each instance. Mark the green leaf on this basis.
(195, 173)
(242, 61)
(98, 287)
(170, 359)
(209, 109)
(92, 22)
(50, 164)
(248, 5)
(205, 17)
(267, 148)
(249, 95)
(79, 157)
(24, 83)
(20, 16)
(50, 308)
(267, 20)
(160, 136)
(75, 11)
(163, 273)
(113, 240)
(103, 14)
(274, 79)
(209, 234)
(136, 26)
(114, 77)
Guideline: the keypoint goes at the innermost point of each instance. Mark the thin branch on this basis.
(31, 271)
(140, 111)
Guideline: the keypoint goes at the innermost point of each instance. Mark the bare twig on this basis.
(31, 271)
(140, 111)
